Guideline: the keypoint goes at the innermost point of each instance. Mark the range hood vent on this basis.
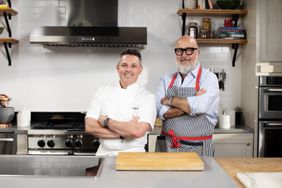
(91, 23)
(90, 36)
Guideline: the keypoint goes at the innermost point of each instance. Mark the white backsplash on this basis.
(65, 79)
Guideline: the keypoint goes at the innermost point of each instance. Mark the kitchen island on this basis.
(213, 176)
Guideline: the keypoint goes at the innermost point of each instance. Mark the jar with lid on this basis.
(193, 29)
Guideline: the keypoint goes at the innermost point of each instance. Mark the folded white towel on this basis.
(260, 179)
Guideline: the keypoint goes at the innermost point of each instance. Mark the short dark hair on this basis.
(132, 51)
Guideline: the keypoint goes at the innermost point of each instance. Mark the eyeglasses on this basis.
(188, 51)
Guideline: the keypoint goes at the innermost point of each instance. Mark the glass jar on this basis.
(207, 24)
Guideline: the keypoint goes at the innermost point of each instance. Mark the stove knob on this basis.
(51, 143)
(78, 142)
(41, 143)
(69, 143)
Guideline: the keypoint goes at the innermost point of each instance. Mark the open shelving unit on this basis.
(7, 13)
(235, 14)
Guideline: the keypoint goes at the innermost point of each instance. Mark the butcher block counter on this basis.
(234, 165)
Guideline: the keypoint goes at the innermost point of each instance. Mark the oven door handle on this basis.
(6, 140)
(273, 124)
(272, 90)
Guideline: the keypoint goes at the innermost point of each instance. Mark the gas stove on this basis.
(60, 133)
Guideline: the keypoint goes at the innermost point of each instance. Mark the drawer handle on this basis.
(6, 139)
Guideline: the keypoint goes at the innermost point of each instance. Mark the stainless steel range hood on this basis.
(91, 23)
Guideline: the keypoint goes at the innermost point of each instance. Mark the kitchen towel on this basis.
(260, 179)
(224, 122)
(23, 118)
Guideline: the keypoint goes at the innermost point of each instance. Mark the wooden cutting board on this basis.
(158, 161)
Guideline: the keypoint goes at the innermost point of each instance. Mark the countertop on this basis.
(212, 177)
(234, 165)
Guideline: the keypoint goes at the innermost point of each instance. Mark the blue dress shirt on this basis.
(206, 103)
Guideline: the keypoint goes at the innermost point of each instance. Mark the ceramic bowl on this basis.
(6, 114)
(228, 4)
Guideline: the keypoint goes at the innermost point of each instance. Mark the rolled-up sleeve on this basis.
(160, 93)
(207, 102)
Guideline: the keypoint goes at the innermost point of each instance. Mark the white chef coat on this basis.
(121, 105)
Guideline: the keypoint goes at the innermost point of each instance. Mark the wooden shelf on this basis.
(222, 41)
(214, 12)
(8, 10)
(8, 40)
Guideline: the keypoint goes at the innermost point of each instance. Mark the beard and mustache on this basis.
(185, 69)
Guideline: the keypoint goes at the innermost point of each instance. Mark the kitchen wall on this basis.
(65, 79)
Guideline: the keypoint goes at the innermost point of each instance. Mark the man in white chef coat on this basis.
(121, 115)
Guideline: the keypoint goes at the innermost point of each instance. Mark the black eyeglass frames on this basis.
(188, 51)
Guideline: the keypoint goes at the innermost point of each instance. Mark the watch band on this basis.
(170, 100)
(106, 122)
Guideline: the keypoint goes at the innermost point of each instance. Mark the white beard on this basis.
(185, 69)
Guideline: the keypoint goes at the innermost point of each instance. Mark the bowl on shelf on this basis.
(228, 4)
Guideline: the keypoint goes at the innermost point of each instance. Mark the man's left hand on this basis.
(102, 119)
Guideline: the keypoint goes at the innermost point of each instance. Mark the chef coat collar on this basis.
(130, 87)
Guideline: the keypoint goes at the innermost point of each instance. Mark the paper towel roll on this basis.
(23, 118)
(224, 122)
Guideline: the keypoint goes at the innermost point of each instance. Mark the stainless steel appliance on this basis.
(270, 116)
(270, 97)
(8, 143)
(59, 133)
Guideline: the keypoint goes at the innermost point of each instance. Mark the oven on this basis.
(270, 97)
(270, 116)
(270, 139)
(60, 133)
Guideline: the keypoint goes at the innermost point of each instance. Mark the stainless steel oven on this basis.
(270, 97)
(270, 116)
(270, 139)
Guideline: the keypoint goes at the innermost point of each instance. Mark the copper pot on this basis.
(4, 100)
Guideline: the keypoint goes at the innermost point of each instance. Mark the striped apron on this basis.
(186, 133)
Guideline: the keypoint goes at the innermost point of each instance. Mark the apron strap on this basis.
(175, 139)
(197, 87)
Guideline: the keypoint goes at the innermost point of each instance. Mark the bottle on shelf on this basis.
(193, 29)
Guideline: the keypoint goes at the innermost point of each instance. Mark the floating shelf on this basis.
(201, 12)
(8, 40)
(184, 12)
(7, 44)
(222, 41)
(8, 10)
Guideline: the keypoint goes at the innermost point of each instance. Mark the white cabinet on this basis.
(233, 145)
(225, 144)
(270, 30)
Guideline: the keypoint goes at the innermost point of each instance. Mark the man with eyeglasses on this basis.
(187, 102)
